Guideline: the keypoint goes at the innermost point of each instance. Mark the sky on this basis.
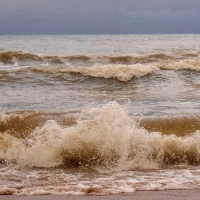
(99, 16)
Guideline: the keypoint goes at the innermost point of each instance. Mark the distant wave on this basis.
(104, 135)
(10, 57)
(123, 68)
(138, 59)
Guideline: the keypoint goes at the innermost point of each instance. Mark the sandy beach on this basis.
(142, 195)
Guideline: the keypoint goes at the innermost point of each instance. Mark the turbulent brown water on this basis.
(99, 114)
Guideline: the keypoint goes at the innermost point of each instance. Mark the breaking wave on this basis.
(121, 72)
(187, 64)
(104, 136)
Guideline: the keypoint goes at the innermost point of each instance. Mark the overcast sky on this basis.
(99, 16)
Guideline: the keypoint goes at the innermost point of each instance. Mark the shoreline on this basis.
(193, 194)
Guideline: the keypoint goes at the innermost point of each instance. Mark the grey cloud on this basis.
(159, 22)
(99, 16)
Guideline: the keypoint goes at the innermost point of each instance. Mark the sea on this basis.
(99, 114)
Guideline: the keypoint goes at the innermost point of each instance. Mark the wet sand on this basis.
(141, 195)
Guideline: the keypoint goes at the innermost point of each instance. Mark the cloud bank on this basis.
(159, 22)
(99, 16)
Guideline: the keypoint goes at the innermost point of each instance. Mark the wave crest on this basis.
(10, 57)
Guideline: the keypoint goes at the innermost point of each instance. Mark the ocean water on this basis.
(99, 114)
